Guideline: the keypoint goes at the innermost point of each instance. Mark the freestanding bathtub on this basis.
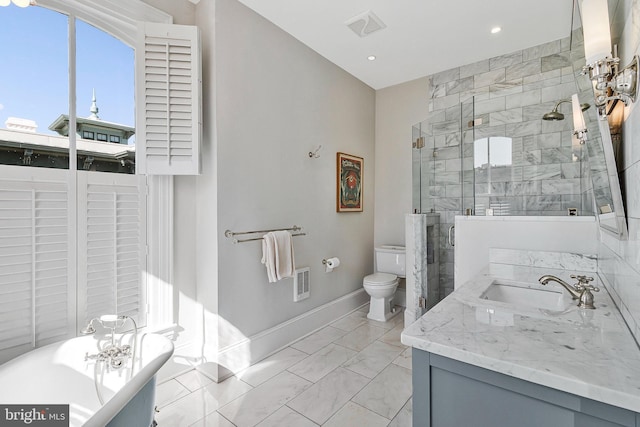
(61, 374)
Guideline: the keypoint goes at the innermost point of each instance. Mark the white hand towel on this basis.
(269, 256)
(277, 255)
(285, 262)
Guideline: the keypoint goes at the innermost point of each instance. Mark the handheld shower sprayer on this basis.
(108, 321)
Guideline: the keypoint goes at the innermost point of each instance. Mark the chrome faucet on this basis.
(580, 291)
(575, 294)
(116, 355)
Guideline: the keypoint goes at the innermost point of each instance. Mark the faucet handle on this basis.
(586, 288)
(586, 297)
(582, 280)
(583, 283)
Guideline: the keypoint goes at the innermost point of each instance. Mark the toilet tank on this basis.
(391, 259)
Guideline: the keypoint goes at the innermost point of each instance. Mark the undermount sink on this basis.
(523, 295)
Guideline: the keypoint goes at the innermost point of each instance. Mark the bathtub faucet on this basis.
(116, 355)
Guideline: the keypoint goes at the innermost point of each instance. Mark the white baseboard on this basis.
(255, 348)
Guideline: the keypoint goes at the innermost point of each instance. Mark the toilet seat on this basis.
(380, 279)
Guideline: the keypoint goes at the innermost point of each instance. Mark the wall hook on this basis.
(314, 154)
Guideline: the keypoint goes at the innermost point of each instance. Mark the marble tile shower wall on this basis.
(510, 94)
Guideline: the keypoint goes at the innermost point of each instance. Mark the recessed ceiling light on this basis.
(495, 30)
(371, 57)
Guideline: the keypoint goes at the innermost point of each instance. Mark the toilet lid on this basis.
(380, 279)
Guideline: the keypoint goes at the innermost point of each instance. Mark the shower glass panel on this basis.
(468, 161)
(422, 149)
(490, 148)
(468, 123)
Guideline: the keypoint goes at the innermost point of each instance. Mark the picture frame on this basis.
(349, 183)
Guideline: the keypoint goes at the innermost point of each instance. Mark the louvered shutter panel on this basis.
(168, 90)
(112, 245)
(34, 282)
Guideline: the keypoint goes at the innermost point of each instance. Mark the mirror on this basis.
(605, 184)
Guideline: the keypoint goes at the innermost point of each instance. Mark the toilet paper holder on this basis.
(330, 264)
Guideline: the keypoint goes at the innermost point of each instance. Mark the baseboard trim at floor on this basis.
(243, 354)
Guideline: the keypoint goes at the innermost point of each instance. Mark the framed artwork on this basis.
(349, 179)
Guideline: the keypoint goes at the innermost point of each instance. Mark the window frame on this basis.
(121, 19)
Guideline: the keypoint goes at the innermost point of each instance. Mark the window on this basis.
(114, 138)
(69, 254)
(493, 175)
(106, 95)
(32, 96)
(75, 241)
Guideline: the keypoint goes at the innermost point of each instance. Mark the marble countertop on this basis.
(589, 353)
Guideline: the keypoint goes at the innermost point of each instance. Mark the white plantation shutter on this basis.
(111, 245)
(168, 92)
(34, 285)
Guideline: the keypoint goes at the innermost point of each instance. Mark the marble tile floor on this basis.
(354, 372)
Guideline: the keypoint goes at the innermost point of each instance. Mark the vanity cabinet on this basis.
(449, 393)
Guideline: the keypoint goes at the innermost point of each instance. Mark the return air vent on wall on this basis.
(365, 24)
(301, 285)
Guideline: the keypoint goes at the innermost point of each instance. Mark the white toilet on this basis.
(381, 285)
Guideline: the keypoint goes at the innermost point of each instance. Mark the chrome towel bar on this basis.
(230, 234)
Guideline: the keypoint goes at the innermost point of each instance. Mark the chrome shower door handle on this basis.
(451, 242)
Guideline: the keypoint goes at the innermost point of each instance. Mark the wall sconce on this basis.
(615, 116)
(579, 126)
(609, 82)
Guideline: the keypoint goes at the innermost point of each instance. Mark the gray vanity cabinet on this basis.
(449, 393)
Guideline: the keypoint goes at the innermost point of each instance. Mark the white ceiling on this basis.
(422, 36)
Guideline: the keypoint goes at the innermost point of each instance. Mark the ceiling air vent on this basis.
(365, 24)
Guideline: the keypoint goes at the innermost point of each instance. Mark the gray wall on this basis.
(397, 109)
(269, 101)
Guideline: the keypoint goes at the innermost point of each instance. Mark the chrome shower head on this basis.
(555, 115)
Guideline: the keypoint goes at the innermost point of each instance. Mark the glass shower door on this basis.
(468, 123)
(422, 173)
